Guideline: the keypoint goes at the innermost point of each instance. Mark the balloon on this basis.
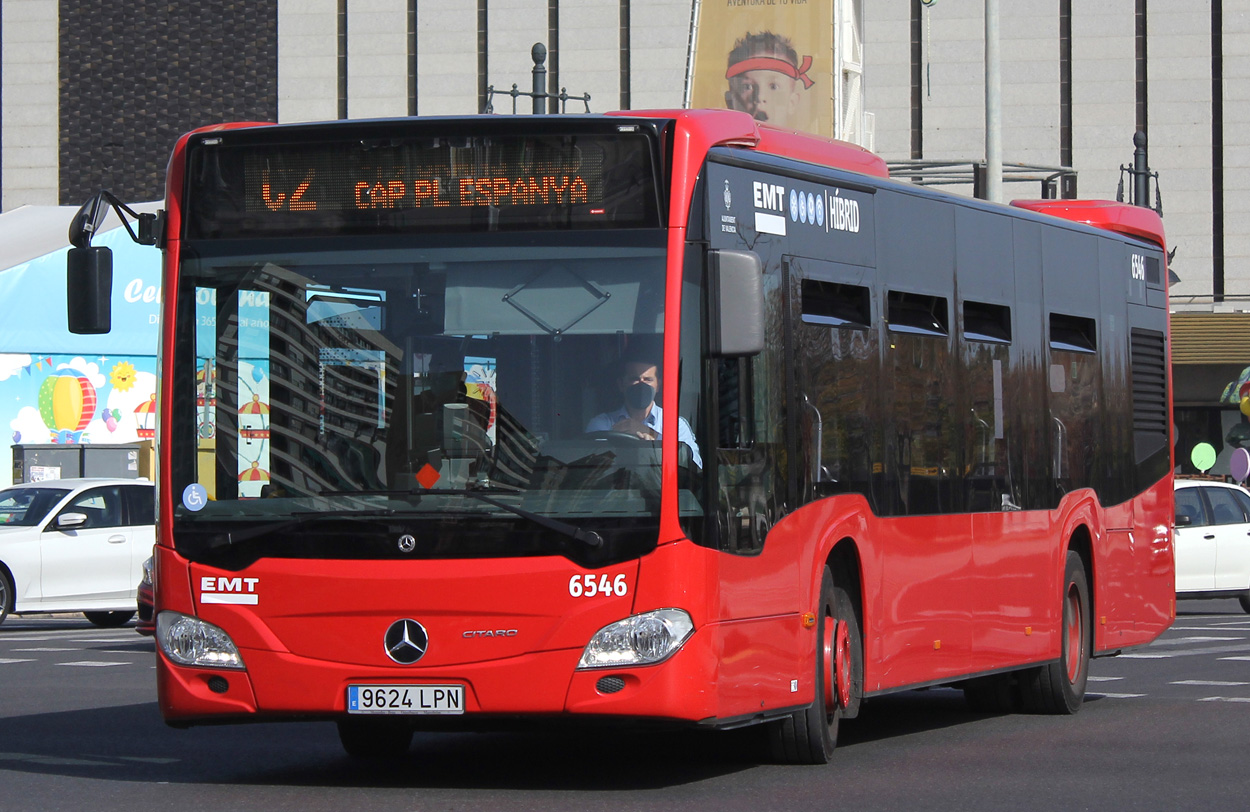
(1245, 406)
(1203, 457)
(67, 402)
(1240, 464)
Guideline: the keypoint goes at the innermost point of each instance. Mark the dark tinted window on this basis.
(1189, 505)
(1242, 499)
(1224, 507)
(140, 505)
(101, 506)
(27, 507)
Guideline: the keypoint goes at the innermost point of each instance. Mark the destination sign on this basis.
(419, 184)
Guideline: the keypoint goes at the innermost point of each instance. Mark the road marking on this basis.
(1180, 641)
(1102, 679)
(1116, 696)
(1188, 653)
(1225, 699)
(47, 648)
(92, 663)
(1242, 659)
(9, 660)
(1214, 683)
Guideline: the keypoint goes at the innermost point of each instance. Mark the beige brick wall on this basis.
(30, 87)
(308, 87)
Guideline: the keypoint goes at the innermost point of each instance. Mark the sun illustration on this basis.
(122, 376)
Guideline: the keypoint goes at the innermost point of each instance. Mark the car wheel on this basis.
(7, 595)
(108, 620)
(374, 739)
(1245, 603)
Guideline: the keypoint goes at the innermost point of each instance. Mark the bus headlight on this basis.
(190, 641)
(638, 640)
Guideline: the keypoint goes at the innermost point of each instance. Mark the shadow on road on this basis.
(131, 743)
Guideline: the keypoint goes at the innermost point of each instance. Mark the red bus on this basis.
(659, 416)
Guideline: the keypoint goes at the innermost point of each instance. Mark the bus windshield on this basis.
(398, 378)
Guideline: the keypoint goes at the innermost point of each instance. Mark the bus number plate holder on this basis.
(406, 699)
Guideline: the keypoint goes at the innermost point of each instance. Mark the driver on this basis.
(639, 415)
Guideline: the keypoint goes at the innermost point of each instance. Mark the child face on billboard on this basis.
(767, 95)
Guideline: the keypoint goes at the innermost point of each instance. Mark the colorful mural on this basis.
(70, 399)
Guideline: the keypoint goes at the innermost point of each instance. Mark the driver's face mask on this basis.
(639, 396)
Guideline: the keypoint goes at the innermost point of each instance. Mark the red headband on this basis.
(774, 64)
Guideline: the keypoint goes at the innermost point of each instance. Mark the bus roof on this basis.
(710, 128)
(1122, 218)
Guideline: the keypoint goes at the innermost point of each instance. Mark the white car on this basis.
(1212, 540)
(75, 545)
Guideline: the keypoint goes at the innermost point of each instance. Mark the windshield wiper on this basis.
(588, 537)
(229, 538)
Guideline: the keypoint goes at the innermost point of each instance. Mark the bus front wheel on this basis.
(809, 736)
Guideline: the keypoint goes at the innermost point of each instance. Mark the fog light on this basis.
(639, 640)
(188, 640)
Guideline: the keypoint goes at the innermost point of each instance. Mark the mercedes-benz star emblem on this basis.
(407, 543)
(406, 641)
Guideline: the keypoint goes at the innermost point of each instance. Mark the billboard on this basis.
(772, 59)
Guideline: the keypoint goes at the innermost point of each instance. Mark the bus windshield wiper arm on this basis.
(588, 537)
(229, 538)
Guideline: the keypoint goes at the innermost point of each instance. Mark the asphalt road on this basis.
(1163, 728)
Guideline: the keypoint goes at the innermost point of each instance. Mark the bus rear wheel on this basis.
(809, 736)
(1059, 687)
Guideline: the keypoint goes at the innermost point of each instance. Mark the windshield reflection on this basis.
(408, 379)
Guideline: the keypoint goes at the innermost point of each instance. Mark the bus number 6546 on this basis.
(587, 586)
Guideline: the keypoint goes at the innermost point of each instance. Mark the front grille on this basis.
(609, 685)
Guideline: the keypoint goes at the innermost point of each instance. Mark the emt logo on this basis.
(236, 590)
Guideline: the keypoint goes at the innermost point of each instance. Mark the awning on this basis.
(1211, 338)
(32, 291)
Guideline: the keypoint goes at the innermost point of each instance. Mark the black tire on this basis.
(1059, 687)
(809, 736)
(373, 739)
(7, 595)
(1245, 603)
(108, 620)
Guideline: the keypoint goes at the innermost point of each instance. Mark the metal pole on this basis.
(993, 107)
(539, 54)
(1141, 171)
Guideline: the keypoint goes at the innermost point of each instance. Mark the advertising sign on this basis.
(770, 58)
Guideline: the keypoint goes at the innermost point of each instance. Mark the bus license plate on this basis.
(417, 699)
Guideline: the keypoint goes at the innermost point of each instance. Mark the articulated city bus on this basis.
(666, 417)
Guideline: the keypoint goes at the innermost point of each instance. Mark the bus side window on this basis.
(735, 420)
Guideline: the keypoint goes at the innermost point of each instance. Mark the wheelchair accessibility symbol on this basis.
(194, 497)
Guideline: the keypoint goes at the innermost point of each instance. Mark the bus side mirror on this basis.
(735, 304)
(89, 290)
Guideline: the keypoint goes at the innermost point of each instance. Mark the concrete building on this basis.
(93, 96)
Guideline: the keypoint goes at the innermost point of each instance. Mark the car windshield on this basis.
(27, 507)
(403, 377)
